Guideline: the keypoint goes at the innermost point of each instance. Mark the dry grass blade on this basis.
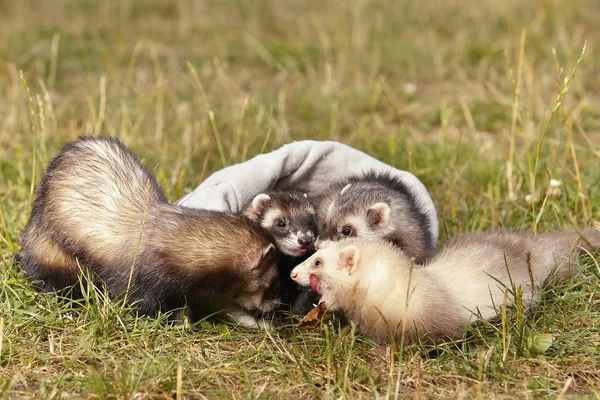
(194, 86)
(515, 112)
(139, 242)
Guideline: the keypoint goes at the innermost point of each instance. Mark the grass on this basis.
(482, 103)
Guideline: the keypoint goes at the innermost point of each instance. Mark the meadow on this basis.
(493, 105)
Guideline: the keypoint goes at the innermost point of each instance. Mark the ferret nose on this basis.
(294, 275)
(305, 240)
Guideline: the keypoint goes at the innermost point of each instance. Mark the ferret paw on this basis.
(240, 317)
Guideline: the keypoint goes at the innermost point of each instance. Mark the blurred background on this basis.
(440, 88)
(493, 104)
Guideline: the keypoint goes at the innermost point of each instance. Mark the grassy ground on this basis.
(470, 97)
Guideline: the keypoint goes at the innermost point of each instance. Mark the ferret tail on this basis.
(587, 240)
(579, 242)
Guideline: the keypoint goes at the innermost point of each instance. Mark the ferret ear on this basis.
(267, 254)
(378, 215)
(258, 205)
(349, 258)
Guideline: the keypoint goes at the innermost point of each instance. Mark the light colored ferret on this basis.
(373, 206)
(376, 285)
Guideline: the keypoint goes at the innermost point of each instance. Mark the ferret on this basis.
(290, 218)
(99, 208)
(379, 288)
(376, 206)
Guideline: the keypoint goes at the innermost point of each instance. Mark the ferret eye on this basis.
(346, 231)
(318, 263)
(281, 223)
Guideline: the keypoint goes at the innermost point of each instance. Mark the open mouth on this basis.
(315, 283)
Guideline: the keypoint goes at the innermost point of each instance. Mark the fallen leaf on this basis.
(314, 317)
(540, 343)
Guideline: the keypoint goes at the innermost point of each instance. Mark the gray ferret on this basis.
(376, 285)
(376, 206)
(290, 218)
(93, 202)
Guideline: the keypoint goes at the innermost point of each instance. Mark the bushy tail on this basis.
(577, 243)
(584, 241)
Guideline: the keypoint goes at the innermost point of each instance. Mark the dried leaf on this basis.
(314, 317)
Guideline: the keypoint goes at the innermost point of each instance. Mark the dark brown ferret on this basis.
(290, 218)
(93, 202)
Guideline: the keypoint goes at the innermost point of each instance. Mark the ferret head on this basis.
(329, 271)
(259, 288)
(290, 219)
(352, 214)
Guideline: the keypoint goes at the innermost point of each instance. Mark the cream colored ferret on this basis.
(376, 285)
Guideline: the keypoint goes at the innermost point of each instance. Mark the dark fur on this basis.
(381, 187)
(368, 189)
(89, 209)
(300, 215)
(297, 212)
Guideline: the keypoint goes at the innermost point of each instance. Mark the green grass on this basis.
(437, 88)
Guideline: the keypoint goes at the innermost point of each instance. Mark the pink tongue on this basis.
(314, 282)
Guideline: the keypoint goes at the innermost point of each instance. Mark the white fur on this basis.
(289, 244)
(345, 188)
(453, 288)
(234, 313)
(259, 202)
(271, 217)
(360, 226)
(242, 318)
(291, 240)
(330, 210)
